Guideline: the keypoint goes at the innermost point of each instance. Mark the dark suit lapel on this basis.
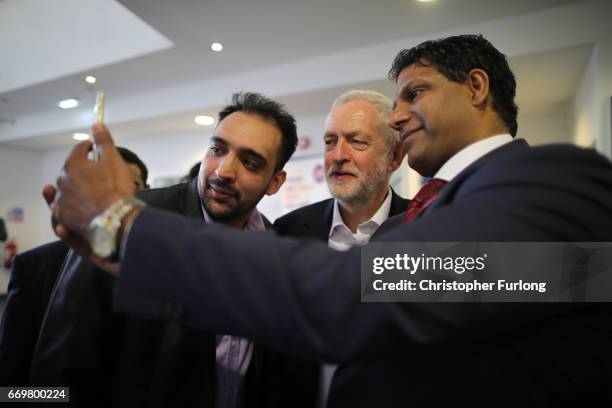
(317, 226)
(190, 204)
(398, 204)
(449, 191)
(267, 224)
(324, 224)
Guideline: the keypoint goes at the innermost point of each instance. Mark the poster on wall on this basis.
(305, 183)
(15, 214)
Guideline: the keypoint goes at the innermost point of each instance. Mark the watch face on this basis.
(101, 242)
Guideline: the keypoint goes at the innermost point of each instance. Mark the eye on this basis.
(359, 144)
(214, 150)
(414, 94)
(329, 143)
(249, 164)
(252, 164)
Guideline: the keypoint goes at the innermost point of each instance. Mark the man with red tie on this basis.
(451, 112)
(455, 111)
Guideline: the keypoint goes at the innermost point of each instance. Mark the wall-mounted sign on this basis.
(15, 214)
(305, 183)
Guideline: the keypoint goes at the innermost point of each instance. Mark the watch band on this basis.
(103, 228)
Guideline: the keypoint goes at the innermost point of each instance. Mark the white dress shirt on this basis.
(342, 238)
(469, 154)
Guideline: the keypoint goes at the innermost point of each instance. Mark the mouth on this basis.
(341, 175)
(406, 134)
(221, 193)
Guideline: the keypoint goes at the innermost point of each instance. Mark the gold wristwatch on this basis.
(103, 228)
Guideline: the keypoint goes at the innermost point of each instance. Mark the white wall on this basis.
(20, 186)
(554, 126)
(585, 104)
(591, 104)
(604, 88)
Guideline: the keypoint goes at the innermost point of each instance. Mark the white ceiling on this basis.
(46, 40)
(539, 91)
(298, 51)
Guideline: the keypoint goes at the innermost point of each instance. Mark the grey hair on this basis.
(383, 106)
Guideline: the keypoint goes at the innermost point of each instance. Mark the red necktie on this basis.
(426, 195)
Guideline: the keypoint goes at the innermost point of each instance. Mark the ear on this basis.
(278, 179)
(478, 84)
(397, 155)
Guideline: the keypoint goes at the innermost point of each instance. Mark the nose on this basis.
(341, 152)
(226, 168)
(397, 117)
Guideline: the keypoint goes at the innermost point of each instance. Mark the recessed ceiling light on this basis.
(204, 120)
(425, 1)
(68, 103)
(216, 46)
(80, 136)
(90, 79)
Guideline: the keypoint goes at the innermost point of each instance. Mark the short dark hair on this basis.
(454, 57)
(252, 102)
(130, 157)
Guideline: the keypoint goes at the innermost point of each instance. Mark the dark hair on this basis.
(130, 157)
(251, 102)
(454, 57)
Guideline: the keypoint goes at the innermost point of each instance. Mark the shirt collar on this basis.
(469, 154)
(254, 223)
(378, 218)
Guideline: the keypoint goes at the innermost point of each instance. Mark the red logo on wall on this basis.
(319, 173)
(304, 143)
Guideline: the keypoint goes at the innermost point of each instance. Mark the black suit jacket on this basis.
(314, 220)
(32, 278)
(112, 360)
(544, 358)
(299, 296)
